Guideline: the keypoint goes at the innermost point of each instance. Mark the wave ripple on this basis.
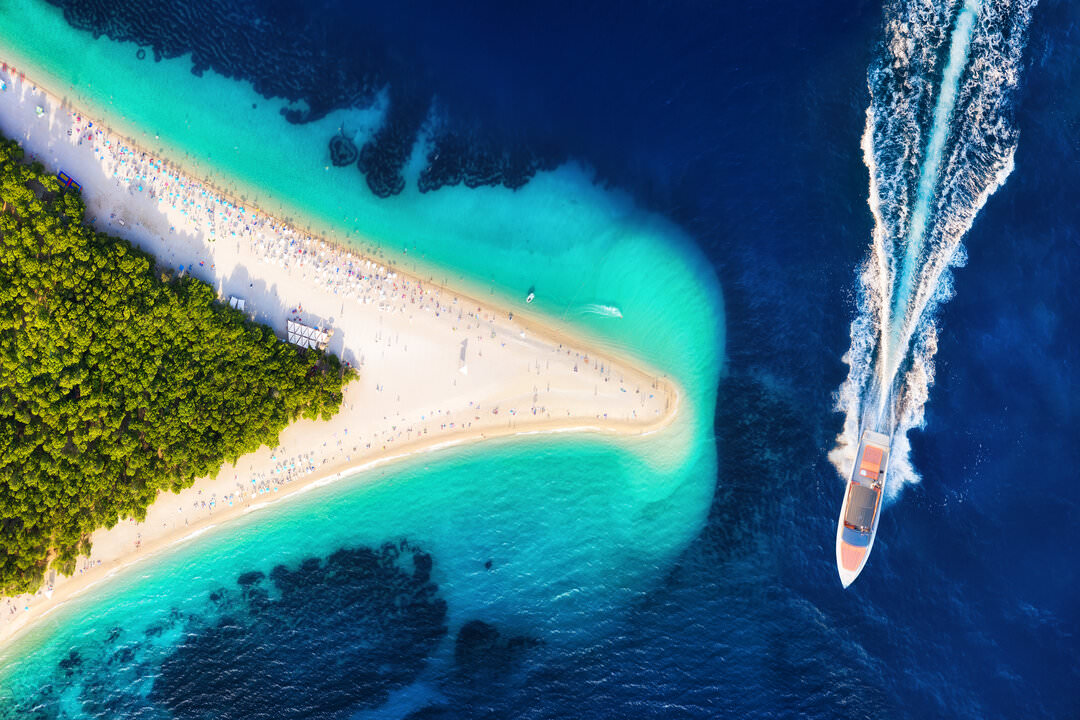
(939, 140)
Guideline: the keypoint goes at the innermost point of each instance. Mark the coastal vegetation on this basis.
(118, 380)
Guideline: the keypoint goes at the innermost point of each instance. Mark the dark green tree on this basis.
(118, 381)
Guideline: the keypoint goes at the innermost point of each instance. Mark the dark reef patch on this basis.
(339, 635)
(432, 712)
(455, 159)
(279, 55)
(71, 663)
(342, 151)
(481, 650)
(383, 157)
(123, 656)
(319, 58)
(250, 578)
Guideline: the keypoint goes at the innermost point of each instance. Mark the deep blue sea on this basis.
(741, 124)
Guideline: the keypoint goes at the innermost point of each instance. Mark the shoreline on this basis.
(357, 244)
(80, 584)
(282, 211)
(543, 336)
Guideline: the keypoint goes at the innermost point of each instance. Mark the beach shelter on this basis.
(306, 336)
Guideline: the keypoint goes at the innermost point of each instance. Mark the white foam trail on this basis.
(599, 309)
(928, 178)
(925, 191)
(931, 166)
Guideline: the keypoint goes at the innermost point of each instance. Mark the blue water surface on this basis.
(740, 123)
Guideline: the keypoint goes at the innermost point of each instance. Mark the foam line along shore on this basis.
(437, 367)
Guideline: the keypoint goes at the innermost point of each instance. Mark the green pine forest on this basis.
(118, 380)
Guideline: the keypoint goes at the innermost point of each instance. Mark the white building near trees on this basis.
(306, 336)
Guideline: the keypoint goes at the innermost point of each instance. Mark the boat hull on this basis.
(861, 509)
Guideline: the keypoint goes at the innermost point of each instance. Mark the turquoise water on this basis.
(573, 526)
(561, 543)
(742, 122)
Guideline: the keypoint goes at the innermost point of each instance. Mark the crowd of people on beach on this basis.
(204, 212)
(202, 218)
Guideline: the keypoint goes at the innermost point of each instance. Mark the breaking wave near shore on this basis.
(939, 140)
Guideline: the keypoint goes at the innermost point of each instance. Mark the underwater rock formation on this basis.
(322, 638)
(378, 605)
(480, 649)
(383, 157)
(455, 159)
(309, 58)
(342, 151)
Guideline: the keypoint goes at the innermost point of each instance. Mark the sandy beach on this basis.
(437, 368)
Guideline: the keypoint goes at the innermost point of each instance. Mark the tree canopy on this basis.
(116, 383)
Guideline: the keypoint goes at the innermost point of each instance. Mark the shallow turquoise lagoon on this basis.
(572, 526)
(561, 524)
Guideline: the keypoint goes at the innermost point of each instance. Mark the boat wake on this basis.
(603, 310)
(939, 140)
